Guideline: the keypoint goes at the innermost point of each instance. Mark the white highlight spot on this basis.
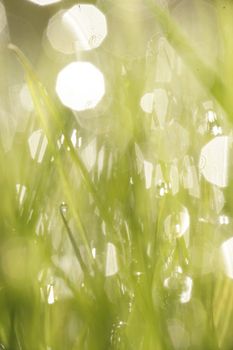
(111, 260)
(44, 2)
(147, 102)
(80, 86)
(21, 191)
(213, 161)
(178, 222)
(227, 254)
(148, 171)
(50, 291)
(37, 145)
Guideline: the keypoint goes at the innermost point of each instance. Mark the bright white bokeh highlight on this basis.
(156, 101)
(50, 291)
(81, 28)
(147, 102)
(111, 267)
(37, 145)
(213, 161)
(21, 192)
(3, 20)
(44, 2)
(80, 86)
(227, 255)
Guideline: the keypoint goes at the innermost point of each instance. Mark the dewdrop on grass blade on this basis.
(177, 223)
(179, 286)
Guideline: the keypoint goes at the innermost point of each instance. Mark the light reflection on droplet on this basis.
(216, 130)
(179, 285)
(63, 208)
(111, 267)
(177, 223)
(227, 255)
(211, 116)
(93, 251)
(3, 20)
(44, 2)
(21, 192)
(213, 162)
(50, 291)
(163, 188)
(80, 86)
(223, 219)
(213, 127)
(74, 137)
(37, 144)
(148, 171)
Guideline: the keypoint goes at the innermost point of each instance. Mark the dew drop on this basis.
(163, 188)
(179, 286)
(63, 208)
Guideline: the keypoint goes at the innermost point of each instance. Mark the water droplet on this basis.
(227, 255)
(177, 223)
(63, 208)
(224, 220)
(117, 337)
(179, 286)
(111, 267)
(163, 188)
(44, 2)
(50, 291)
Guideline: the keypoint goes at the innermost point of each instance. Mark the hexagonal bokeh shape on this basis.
(82, 27)
(44, 2)
(80, 86)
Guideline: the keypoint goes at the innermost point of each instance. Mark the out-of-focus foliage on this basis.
(116, 218)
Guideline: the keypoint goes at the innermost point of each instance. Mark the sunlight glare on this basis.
(80, 86)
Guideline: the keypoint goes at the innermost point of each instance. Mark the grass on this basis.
(92, 258)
